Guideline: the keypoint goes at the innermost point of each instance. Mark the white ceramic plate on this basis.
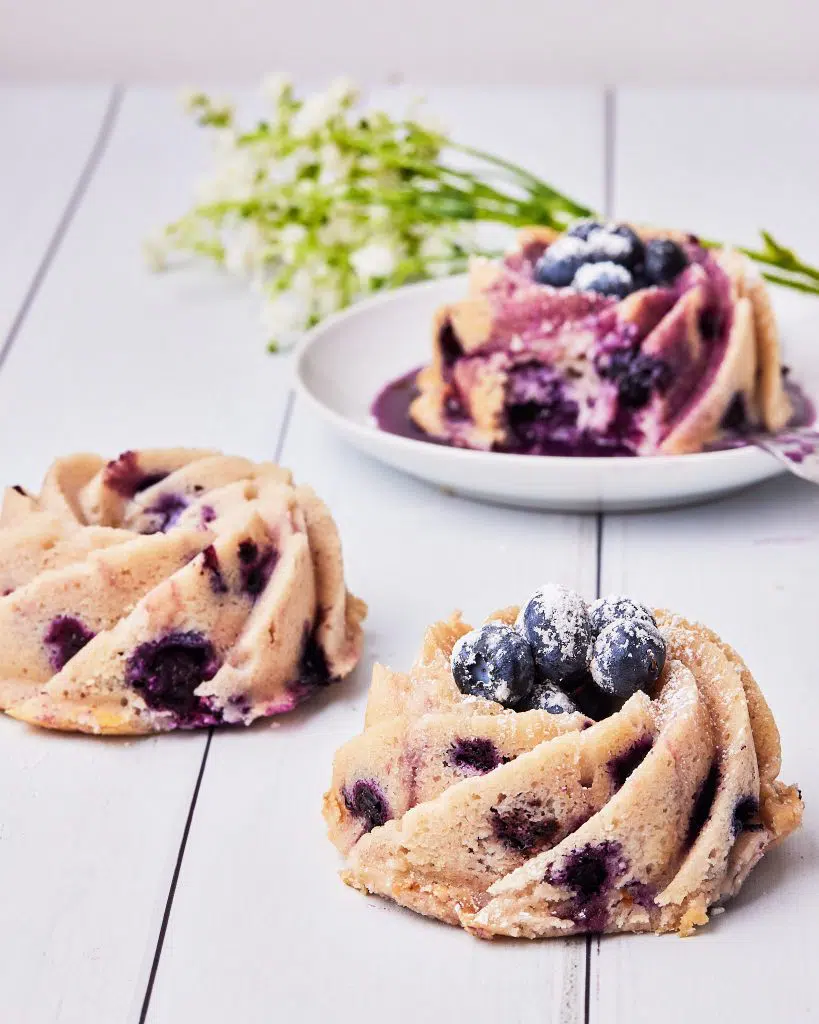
(343, 363)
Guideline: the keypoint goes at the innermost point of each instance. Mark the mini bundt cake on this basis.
(562, 769)
(169, 589)
(607, 340)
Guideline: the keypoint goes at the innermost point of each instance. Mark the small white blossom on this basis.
(419, 113)
(342, 91)
(285, 316)
(190, 99)
(376, 259)
(435, 247)
(290, 236)
(313, 115)
(274, 86)
(341, 230)
(245, 250)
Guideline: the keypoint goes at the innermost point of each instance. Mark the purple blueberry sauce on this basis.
(475, 756)
(211, 565)
(64, 638)
(166, 511)
(391, 409)
(207, 515)
(703, 801)
(167, 671)
(524, 829)
(125, 476)
(256, 566)
(621, 766)
(541, 411)
(365, 800)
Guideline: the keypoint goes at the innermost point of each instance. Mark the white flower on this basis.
(378, 214)
(334, 167)
(314, 114)
(289, 238)
(190, 100)
(342, 91)
(435, 248)
(376, 259)
(320, 108)
(245, 250)
(420, 115)
(274, 86)
(285, 316)
(341, 230)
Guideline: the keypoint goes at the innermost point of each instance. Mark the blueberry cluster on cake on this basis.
(169, 589)
(606, 340)
(562, 769)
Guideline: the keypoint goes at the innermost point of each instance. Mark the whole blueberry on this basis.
(617, 243)
(561, 261)
(494, 662)
(583, 228)
(606, 609)
(628, 655)
(548, 697)
(664, 261)
(606, 278)
(555, 621)
(645, 375)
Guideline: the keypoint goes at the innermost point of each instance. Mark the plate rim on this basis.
(748, 453)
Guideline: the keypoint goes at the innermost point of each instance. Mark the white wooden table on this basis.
(187, 879)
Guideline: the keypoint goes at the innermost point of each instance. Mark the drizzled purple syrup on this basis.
(391, 413)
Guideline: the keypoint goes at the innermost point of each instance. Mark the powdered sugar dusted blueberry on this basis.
(555, 621)
(605, 610)
(494, 662)
(548, 697)
(606, 278)
(583, 228)
(617, 243)
(561, 261)
(627, 656)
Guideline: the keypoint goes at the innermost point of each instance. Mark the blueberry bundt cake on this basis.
(168, 589)
(562, 769)
(604, 341)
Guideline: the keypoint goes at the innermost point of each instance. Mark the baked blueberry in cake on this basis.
(169, 589)
(496, 792)
(607, 340)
